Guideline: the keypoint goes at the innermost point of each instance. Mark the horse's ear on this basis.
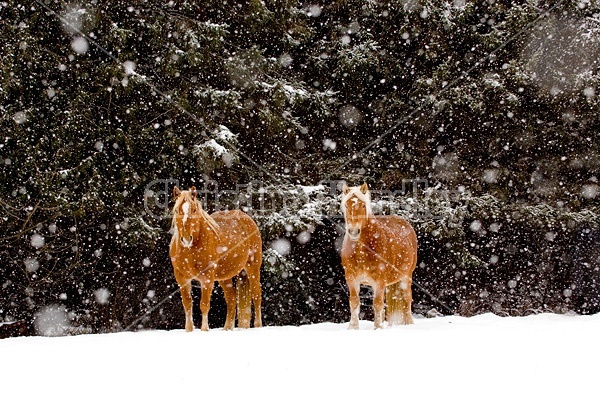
(364, 188)
(176, 192)
(345, 189)
(193, 192)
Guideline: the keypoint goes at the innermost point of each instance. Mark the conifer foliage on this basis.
(487, 109)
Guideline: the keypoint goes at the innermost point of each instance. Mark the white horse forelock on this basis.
(356, 192)
(186, 211)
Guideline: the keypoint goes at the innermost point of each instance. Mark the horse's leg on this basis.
(207, 288)
(394, 304)
(406, 301)
(253, 271)
(185, 288)
(244, 300)
(353, 287)
(229, 293)
(379, 293)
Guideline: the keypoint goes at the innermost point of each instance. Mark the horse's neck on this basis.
(372, 224)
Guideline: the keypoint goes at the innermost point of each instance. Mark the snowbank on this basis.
(485, 356)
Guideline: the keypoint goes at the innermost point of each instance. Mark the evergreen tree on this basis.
(492, 105)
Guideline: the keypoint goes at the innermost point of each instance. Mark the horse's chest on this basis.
(366, 270)
(366, 259)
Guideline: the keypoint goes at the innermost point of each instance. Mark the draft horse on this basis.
(379, 251)
(217, 247)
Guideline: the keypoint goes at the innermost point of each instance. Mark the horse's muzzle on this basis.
(353, 233)
(187, 243)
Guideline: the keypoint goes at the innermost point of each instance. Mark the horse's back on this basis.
(233, 219)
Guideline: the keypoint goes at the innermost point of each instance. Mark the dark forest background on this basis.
(477, 120)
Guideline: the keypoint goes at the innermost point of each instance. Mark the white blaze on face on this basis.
(186, 211)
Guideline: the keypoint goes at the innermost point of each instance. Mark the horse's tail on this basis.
(244, 300)
(397, 310)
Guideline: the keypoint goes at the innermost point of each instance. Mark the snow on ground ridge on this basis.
(539, 355)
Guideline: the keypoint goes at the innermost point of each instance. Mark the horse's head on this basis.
(185, 216)
(356, 206)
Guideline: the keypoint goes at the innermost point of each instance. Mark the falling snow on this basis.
(102, 295)
(52, 320)
(37, 241)
(80, 45)
(281, 246)
(475, 121)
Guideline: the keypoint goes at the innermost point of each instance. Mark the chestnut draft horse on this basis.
(216, 247)
(379, 251)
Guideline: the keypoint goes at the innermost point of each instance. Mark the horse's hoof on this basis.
(352, 327)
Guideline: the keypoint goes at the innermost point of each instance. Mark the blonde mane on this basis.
(209, 220)
(365, 197)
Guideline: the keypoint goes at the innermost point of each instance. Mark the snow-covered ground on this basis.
(543, 355)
